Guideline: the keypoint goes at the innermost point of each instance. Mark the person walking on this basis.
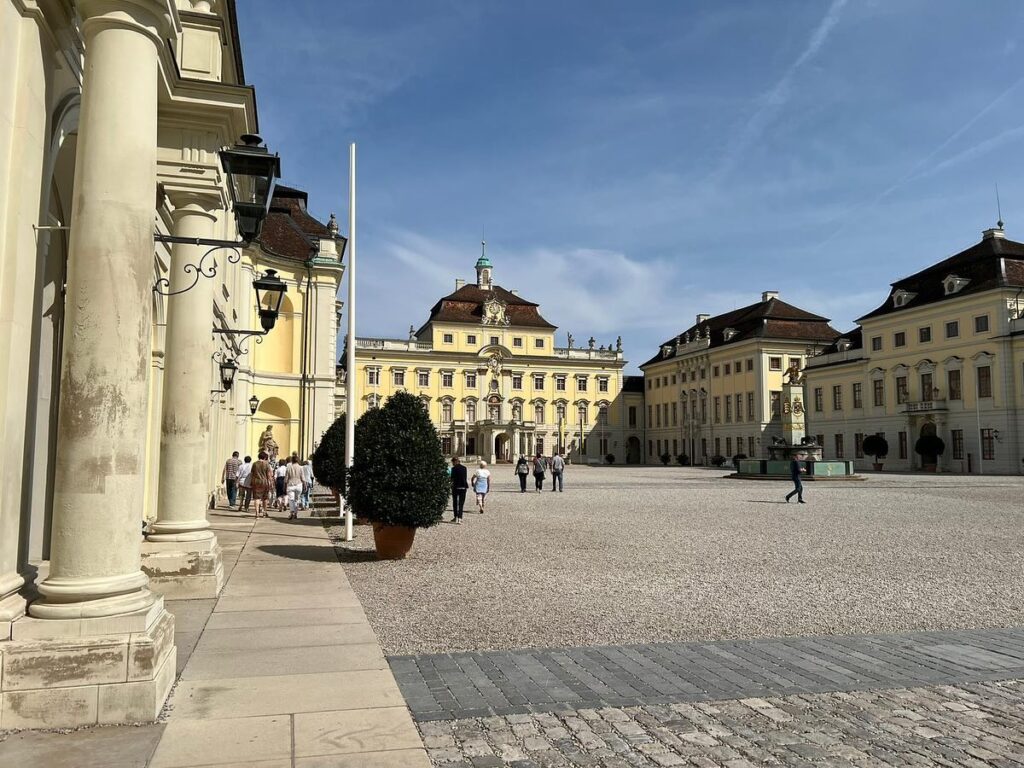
(540, 466)
(459, 487)
(244, 483)
(229, 476)
(481, 482)
(307, 484)
(557, 468)
(294, 481)
(261, 480)
(522, 470)
(280, 487)
(795, 470)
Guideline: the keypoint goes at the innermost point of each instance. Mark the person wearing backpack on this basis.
(540, 466)
(522, 470)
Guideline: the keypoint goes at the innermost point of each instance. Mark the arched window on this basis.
(560, 411)
(602, 415)
(494, 411)
(538, 413)
(583, 413)
(446, 413)
(471, 411)
(517, 411)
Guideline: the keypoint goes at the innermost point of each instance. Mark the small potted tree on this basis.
(610, 458)
(683, 460)
(876, 447)
(665, 457)
(929, 448)
(329, 458)
(398, 480)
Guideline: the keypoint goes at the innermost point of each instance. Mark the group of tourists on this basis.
(268, 483)
(480, 481)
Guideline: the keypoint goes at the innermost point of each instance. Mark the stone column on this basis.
(181, 555)
(98, 646)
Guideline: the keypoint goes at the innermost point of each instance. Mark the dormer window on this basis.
(843, 345)
(728, 333)
(666, 350)
(953, 284)
(901, 298)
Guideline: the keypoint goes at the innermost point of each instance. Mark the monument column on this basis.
(98, 646)
(181, 555)
(100, 472)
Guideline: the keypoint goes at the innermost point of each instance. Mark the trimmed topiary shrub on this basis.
(718, 461)
(876, 446)
(610, 458)
(666, 457)
(329, 457)
(736, 460)
(929, 448)
(398, 475)
(683, 460)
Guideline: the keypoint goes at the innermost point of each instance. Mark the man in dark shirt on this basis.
(460, 484)
(795, 471)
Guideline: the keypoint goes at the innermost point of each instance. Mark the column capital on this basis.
(204, 201)
(156, 19)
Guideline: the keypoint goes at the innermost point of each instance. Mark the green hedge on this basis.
(329, 457)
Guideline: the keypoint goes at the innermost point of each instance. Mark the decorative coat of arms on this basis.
(495, 313)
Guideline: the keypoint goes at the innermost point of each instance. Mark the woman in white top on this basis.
(481, 482)
(280, 487)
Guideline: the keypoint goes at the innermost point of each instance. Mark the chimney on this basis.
(514, 291)
(703, 319)
(459, 283)
(994, 233)
(769, 295)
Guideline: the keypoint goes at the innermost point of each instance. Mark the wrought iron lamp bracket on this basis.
(201, 269)
(243, 338)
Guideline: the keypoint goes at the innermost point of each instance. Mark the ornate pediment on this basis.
(495, 312)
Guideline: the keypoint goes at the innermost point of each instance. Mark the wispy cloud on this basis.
(772, 101)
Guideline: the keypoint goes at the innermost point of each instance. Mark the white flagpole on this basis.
(350, 353)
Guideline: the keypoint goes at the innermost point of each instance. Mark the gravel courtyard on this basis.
(635, 555)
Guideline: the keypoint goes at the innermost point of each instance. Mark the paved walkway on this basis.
(285, 673)
(481, 684)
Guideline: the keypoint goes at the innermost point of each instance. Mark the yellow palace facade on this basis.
(496, 385)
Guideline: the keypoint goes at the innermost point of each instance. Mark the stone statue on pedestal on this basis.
(268, 444)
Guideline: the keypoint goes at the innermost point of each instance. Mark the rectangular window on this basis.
(398, 378)
(739, 407)
(560, 383)
(517, 341)
(750, 363)
(650, 415)
(495, 340)
(602, 385)
(878, 389)
(517, 381)
(952, 329)
(703, 446)
(858, 445)
(704, 411)
(927, 391)
(728, 446)
(876, 343)
(538, 381)
(581, 383)
(954, 385)
(819, 399)
(718, 446)
(657, 416)
(470, 380)
(738, 366)
(373, 376)
(774, 363)
(714, 371)
(858, 395)
(839, 447)
(924, 335)
(981, 324)
(957, 436)
(675, 413)
(471, 338)
(632, 416)
(901, 390)
(447, 379)
(903, 445)
(988, 445)
(650, 448)
(794, 361)
(728, 368)
(448, 338)
(750, 407)
(820, 440)
(446, 417)
(703, 373)
(718, 410)
(423, 378)
(650, 383)
(776, 403)
(837, 397)
(984, 381)
(750, 446)
(899, 339)
(728, 409)
(539, 343)
(675, 448)
(471, 417)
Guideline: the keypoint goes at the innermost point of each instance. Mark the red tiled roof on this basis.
(289, 230)
(465, 305)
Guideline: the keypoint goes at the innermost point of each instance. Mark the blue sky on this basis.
(633, 164)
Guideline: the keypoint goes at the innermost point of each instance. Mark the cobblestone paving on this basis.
(978, 725)
(480, 684)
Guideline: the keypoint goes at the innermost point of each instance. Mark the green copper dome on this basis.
(483, 261)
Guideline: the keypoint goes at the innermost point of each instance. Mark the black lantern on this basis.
(251, 172)
(228, 369)
(270, 290)
(254, 403)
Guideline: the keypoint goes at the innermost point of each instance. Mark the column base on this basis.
(12, 608)
(64, 673)
(184, 570)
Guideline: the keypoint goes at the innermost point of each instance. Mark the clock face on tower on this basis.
(494, 313)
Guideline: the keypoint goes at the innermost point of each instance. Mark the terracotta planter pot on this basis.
(393, 542)
(877, 466)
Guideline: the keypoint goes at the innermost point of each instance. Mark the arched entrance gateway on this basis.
(633, 450)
